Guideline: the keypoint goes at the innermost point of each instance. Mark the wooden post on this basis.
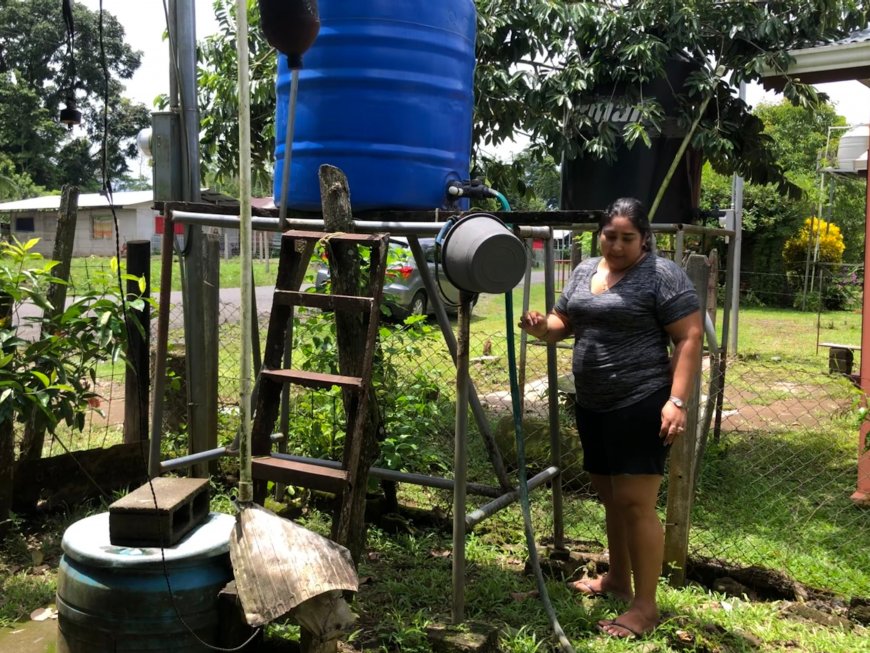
(7, 467)
(205, 438)
(349, 528)
(713, 284)
(138, 372)
(7, 442)
(681, 469)
(34, 429)
(861, 495)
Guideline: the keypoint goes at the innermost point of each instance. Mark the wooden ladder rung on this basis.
(294, 234)
(323, 301)
(313, 379)
(290, 472)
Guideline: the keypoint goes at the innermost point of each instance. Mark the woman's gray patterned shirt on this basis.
(620, 345)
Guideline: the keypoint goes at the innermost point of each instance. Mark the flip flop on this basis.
(582, 587)
(630, 633)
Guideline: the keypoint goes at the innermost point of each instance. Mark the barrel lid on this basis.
(87, 541)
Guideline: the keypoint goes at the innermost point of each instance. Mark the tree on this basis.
(217, 75)
(535, 180)
(13, 185)
(799, 139)
(814, 234)
(538, 62)
(36, 80)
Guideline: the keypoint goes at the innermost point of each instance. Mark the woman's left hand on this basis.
(673, 422)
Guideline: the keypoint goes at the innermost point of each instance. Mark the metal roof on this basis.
(845, 59)
(861, 36)
(137, 198)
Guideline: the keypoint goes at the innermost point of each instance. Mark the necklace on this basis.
(604, 276)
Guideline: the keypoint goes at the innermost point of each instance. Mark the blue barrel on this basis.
(113, 599)
(385, 94)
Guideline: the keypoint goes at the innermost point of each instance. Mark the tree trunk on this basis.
(7, 465)
(349, 528)
(34, 430)
(7, 442)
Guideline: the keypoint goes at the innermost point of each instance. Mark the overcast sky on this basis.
(144, 23)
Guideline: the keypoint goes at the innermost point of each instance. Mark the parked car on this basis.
(404, 292)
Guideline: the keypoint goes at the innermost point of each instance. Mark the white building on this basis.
(95, 227)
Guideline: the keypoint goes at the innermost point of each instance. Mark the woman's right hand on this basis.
(534, 323)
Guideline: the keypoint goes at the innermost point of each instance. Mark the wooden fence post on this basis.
(681, 468)
(7, 442)
(206, 438)
(34, 429)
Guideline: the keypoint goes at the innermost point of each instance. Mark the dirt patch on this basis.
(801, 411)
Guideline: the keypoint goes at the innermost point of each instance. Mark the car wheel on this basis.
(418, 304)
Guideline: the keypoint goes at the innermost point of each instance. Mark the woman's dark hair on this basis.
(632, 209)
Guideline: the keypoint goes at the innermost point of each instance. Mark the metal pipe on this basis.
(524, 337)
(158, 384)
(186, 61)
(246, 482)
(401, 477)
(553, 397)
(288, 149)
(182, 462)
(361, 226)
(172, 20)
(502, 502)
(460, 460)
(734, 271)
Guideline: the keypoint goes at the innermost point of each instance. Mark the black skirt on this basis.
(625, 440)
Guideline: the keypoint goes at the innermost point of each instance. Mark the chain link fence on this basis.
(773, 488)
(775, 483)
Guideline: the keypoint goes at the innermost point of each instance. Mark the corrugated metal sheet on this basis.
(861, 36)
(128, 199)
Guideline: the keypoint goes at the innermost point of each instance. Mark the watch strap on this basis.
(676, 401)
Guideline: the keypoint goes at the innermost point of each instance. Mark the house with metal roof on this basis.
(36, 217)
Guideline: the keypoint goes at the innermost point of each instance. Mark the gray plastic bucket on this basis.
(480, 254)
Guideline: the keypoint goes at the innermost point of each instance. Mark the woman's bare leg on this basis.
(617, 581)
(634, 498)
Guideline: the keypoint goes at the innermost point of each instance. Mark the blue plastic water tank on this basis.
(385, 94)
(114, 599)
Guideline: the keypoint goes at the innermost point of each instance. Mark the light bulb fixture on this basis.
(69, 115)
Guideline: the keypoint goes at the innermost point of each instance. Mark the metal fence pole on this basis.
(553, 399)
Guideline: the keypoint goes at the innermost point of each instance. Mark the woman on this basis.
(623, 309)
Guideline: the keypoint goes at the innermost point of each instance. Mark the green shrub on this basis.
(54, 377)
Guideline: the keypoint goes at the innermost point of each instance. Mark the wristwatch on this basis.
(676, 401)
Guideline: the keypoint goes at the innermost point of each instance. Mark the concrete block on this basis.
(161, 517)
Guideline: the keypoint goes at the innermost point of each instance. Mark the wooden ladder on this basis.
(272, 379)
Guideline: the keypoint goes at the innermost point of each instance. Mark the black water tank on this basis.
(589, 183)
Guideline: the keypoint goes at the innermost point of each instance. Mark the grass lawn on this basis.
(776, 497)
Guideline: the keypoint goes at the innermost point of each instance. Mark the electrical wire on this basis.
(68, 20)
(107, 190)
